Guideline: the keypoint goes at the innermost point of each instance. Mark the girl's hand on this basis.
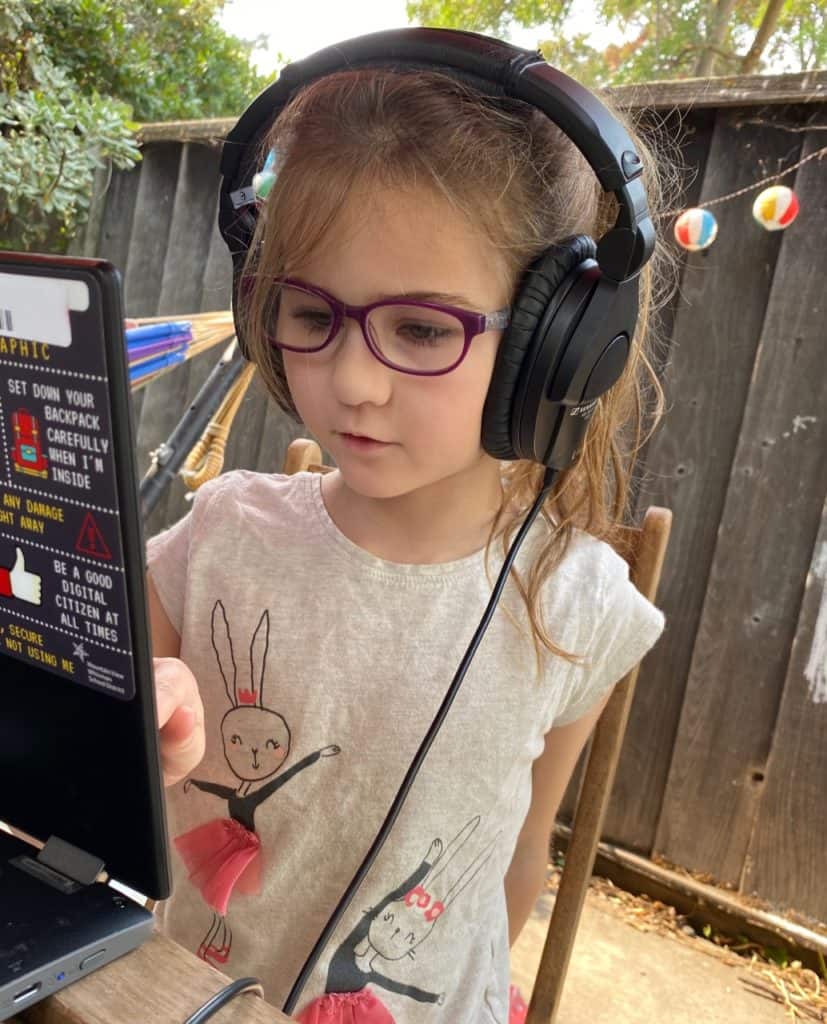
(180, 718)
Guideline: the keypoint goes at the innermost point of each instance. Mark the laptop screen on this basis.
(78, 743)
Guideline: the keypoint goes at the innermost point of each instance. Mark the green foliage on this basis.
(168, 59)
(52, 138)
(656, 39)
(778, 954)
(801, 41)
(76, 76)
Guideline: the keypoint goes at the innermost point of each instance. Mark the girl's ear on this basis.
(222, 644)
(258, 656)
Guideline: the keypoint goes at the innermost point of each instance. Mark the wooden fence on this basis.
(724, 769)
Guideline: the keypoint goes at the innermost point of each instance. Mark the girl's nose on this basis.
(358, 376)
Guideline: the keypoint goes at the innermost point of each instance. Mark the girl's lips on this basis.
(363, 443)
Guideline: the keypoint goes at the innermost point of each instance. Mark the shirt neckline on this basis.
(315, 501)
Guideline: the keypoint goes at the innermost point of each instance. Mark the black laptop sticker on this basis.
(63, 603)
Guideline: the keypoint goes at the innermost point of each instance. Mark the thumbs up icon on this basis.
(24, 585)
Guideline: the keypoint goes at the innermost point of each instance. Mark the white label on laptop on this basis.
(37, 308)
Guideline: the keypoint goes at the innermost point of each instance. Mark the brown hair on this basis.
(513, 174)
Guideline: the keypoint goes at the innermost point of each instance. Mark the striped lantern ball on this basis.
(695, 229)
(776, 207)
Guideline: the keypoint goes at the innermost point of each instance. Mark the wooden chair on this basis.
(646, 550)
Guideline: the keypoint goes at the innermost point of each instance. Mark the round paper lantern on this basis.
(775, 208)
(695, 229)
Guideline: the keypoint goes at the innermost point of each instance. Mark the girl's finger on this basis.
(180, 718)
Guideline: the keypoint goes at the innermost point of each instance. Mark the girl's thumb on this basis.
(180, 718)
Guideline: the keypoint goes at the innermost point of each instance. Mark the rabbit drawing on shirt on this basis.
(405, 918)
(224, 855)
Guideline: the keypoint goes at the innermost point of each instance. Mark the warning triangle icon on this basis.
(90, 540)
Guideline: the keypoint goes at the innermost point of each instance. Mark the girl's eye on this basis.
(422, 334)
(313, 320)
(235, 738)
(272, 744)
(410, 938)
(388, 917)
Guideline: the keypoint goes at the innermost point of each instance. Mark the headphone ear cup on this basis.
(538, 291)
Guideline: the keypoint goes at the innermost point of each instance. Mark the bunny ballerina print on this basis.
(224, 855)
(392, 931)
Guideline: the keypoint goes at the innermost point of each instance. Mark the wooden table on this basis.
(158, 983)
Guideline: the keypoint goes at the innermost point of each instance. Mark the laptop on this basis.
(80, 776)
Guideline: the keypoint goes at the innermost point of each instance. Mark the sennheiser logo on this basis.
(585, 411)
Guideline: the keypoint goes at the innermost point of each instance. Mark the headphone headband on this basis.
(493, 67)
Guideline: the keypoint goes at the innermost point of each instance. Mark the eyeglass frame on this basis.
(473, 323)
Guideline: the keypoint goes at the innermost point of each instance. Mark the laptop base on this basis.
(53, 931)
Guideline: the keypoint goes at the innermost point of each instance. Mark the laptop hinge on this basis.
(62, 865)
(70, 861)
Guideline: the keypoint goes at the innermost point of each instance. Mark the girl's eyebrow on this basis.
(444, 298)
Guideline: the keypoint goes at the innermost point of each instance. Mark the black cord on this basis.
(419, 757)
(223, 996)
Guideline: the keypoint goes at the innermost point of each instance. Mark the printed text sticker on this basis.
(62, 592)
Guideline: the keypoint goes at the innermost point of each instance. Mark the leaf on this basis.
(778, 954)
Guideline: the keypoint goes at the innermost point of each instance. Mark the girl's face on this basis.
(388, 245)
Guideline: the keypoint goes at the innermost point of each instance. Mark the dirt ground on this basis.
(637, 961)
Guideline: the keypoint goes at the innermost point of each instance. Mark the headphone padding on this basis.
(537, 289)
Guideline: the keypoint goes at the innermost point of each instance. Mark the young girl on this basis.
(306, 627)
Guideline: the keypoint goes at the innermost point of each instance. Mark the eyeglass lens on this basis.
(410, 337)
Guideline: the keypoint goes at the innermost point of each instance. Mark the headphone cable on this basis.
(419, 757)
(222, 997)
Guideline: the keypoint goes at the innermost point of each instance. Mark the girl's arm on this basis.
(165, 640)
(180, 711)
(550, 776)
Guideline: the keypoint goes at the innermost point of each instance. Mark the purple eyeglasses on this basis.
(423, 338)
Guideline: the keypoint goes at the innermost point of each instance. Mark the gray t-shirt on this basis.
(321, 667)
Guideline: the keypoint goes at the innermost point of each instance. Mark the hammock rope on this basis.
(206, 460)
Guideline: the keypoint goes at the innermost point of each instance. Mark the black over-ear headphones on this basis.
(575, 313)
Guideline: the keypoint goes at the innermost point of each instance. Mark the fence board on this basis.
(137, 403)
(163, 201)
(215, 295)
(87, 238)
(144, 273)
(218, 273)
(115, 237)
(783, 862)
(765, 538)
(695, 134)
(181, 293)
(190, 232)
(688, 461)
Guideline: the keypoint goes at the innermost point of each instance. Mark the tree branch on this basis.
(749, 65)
(714, 37)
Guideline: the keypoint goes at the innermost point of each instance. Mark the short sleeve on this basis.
(168, 552)
(627, 628)
(167, 559)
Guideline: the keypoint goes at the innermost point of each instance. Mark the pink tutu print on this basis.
(517, 1006)
(361, 1007)
(221, 856)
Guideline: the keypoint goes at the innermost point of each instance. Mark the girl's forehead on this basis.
(393, 242)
